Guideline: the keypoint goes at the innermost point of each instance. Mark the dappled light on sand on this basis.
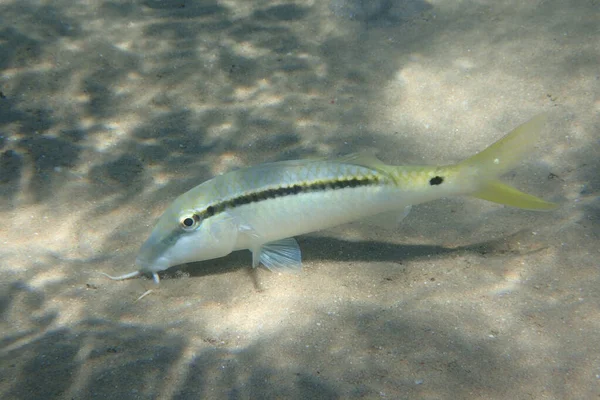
(110, 110)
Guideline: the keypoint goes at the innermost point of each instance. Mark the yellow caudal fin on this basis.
(500, 193)
(483, 169)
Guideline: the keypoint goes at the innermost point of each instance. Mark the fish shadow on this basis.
(320, 248)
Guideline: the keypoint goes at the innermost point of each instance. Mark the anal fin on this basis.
(389, 220)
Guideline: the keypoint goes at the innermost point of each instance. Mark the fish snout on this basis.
(146, 266)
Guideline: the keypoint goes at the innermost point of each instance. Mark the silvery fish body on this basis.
(262, 208)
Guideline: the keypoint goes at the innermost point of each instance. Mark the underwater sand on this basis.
(109, 110)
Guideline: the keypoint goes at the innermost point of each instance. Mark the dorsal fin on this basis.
(362, 159)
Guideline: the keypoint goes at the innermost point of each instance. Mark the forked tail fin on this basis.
(485, 167)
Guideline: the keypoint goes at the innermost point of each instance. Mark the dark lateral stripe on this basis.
(308, 187)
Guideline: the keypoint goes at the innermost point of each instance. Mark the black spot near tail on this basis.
(436, 180)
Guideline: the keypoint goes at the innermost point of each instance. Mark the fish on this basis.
(262, 208)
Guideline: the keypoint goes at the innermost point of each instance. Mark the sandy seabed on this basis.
(110, 109)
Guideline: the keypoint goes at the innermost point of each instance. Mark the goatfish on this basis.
(262, 208)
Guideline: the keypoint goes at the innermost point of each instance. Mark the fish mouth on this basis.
(152, 267)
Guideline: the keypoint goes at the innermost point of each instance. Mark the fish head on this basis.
(186, 234)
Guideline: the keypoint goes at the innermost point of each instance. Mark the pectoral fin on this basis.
(280, 256)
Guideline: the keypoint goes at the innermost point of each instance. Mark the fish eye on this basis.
(189, 223)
